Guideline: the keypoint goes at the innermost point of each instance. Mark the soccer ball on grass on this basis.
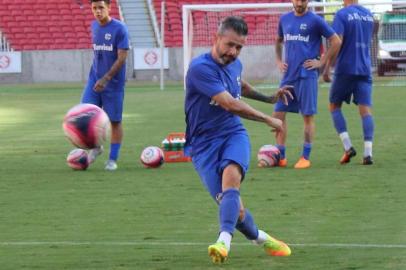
(152, 157)
(268, 156)
(86, 126)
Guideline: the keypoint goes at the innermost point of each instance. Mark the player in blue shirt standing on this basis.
(216, 139)
(352, 75)
(105, 86)
(300, 33)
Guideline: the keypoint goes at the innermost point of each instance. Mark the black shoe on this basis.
(348, 155)
(368, 161)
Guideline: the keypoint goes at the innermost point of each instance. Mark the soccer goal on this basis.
(388, 50)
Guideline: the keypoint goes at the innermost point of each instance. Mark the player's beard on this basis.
(300, 9)
(226, 59)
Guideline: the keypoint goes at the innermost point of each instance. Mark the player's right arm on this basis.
(242, 109)
(283, 66)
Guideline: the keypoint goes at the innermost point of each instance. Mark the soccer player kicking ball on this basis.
(300, 33)
(352, 78)
(105, 86)
(216, 139)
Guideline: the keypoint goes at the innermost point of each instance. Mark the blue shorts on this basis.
(305, 97)
(212, 157)
(110, 100)
(346, 86)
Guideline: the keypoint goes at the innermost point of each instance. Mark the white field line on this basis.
(160, 243)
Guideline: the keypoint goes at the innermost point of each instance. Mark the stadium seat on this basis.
(44, 24)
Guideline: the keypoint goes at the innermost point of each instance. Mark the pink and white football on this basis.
(78, 159)
(86, 126)
(268, 156)
(152, 157)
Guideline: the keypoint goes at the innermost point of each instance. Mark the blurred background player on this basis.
(352, 75)
(105, 86)
(300, 33)
(216, 139)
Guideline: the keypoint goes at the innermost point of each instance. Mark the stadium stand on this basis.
(204, 25)
(48, 24)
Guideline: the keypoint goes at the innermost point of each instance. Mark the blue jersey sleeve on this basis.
(338, 24)
(325, 29)
(205, 80)
(123, 41)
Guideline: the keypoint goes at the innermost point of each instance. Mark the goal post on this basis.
(258, 55)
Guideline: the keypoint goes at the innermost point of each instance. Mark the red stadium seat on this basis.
(48, 24)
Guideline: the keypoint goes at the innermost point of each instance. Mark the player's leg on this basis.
(208, 167)
(280, 111)
(280, 138)
(341, 91)
(113, 105)
(368, 131)
(308, 135)
(307, 90)
(92, 97)
(363, 97)
(246, 225)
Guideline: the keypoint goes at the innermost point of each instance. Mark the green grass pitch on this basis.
(335, 217)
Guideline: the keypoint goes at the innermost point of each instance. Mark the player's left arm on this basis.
(283, 93)
(335, 44)
(121, 57)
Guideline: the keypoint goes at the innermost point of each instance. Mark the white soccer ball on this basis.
(86, 126)
(152, 157)
(268, 156)
(78, 159)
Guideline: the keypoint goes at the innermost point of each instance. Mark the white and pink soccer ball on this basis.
(152, 157)
(86, 126)
(268, 156)
(78, 159)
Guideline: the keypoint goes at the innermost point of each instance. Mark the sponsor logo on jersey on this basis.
(107, 36)
(289, 37)
(356, 16)
(103, 47)
(303, 26)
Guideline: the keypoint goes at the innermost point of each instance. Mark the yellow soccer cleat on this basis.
(218, 252)
(275, 247)
(303, 163)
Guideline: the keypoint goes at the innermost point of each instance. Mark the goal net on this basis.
(388, 49)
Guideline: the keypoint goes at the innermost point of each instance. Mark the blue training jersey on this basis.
(302, 37)
(107, 39)
(206, 120)
(356, 24)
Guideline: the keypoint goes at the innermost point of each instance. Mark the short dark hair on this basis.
(105, 1)
(235, 23)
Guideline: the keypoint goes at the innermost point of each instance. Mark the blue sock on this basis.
(229, 210)
(247, 226)
(114, 151)
(282, 150)
(368, 127)
(307, 148)
(339, 121)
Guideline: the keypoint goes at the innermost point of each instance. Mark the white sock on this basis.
(262, 237)
(225, 237)
(345, 138)
(367, 148)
